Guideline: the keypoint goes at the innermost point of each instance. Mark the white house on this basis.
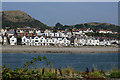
(10, 32)
(5, 40)
(13, 40)
(87, 30)
(109, 31)
(24, 40)
(35, 41)
(42, 41)
(57, 34)
(84, 40)
(3, 31)
(103, 42)
(76, 33)
(1, 39)
(92, 41)
(104, 31)
(108, 43)
(65, 42)
(96, 42)
(101, 31)
(55, 41)
(28, 42)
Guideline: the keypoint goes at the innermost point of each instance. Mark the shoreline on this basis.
(36, 49)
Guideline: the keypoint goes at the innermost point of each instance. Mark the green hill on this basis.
(93, 25)
(15, 19)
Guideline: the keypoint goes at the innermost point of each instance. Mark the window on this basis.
(18, 31)
(35, 43)
(18, 34)
(40, 40)
(24, 39)
(27, 40)
(36, 40)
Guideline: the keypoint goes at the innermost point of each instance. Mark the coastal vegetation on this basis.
(55, 74)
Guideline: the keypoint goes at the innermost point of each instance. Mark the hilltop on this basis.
(15, 19)
(93, 25)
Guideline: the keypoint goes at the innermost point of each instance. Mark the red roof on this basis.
(69, 31)
(100, 30)
(60, 30)
(103, 30)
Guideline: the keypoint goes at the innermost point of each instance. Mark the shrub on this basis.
(49, 75)
(95, 75)
(68, 71)
(115, 74)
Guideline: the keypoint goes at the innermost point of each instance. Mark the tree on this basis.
(19, 40)
(58, 25)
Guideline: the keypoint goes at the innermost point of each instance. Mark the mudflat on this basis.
(39, 49)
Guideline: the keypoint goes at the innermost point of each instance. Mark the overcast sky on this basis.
(68, 13)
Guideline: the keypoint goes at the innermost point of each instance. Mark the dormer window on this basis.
(41, 40)
(36, 37)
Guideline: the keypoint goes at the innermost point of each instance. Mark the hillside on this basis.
(93, 25)
(14, 19)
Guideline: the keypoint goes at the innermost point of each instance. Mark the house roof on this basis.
(103, 30)
(69, 31)
(11, 31)
(27, 28)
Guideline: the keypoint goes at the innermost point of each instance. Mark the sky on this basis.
(60, 0)
(67, 13)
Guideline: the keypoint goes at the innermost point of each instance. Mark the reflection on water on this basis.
(76, 61)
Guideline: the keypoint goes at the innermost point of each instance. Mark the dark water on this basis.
(77, 61)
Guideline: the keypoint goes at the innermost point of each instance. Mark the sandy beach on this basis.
(33, 49)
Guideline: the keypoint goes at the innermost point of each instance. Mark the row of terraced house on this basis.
(35, 37)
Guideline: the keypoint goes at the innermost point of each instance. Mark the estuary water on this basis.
(104, 61)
